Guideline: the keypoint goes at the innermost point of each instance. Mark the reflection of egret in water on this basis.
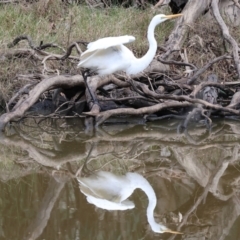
(110, 191)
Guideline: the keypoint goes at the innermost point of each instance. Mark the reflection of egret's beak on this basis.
(173, 16)
(170, 231)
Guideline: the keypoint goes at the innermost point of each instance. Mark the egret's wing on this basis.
(100, 193)
(107, 42)
(89, 192)
(104, 185)
(99, 47)
(100, 186)
(108, 205)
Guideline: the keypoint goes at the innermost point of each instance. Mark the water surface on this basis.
(195, 176)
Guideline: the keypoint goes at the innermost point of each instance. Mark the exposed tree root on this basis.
(26, 102)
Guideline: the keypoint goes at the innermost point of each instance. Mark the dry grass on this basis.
(61, 25)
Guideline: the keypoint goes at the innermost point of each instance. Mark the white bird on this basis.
(110, 191)
(109, 55)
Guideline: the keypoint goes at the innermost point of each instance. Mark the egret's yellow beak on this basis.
(173, 16)
(170, 231)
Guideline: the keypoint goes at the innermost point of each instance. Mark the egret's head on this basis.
(159, 228)
(162, 17)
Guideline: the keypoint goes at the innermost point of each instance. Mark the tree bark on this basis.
(191, 12)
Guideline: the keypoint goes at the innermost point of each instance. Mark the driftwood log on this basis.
(169, 87)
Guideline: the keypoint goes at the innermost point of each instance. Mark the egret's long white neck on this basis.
(139, 181)
(143, 62)
(152, 42)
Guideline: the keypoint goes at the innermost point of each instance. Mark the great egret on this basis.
(110, 191)
(109, 55)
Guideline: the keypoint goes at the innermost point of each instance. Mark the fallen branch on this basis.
(194, 68)
(206, 84)
(103, 116)
(34, 94)
(24, 90)
(31, 44)
(204, 68)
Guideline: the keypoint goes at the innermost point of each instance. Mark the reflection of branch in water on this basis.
(228, 223)
(36, 153)
(196, 142)
(211, 134)
(166, 172)
(163, 137)
(137, 135)
(6, 175)
(34, 133)
(211, 186)
(84, 167)
(84, 170)
(37, 226)
(28, 137)
(130, 133)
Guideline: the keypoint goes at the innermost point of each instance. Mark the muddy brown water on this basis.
(60, 181)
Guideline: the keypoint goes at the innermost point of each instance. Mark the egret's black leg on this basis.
(85, 75)
(83, 169)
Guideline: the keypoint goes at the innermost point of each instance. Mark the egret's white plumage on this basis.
(110, 191)
(106, 55)
(109, 55)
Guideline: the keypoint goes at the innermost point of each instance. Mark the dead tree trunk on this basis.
(191, 13)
